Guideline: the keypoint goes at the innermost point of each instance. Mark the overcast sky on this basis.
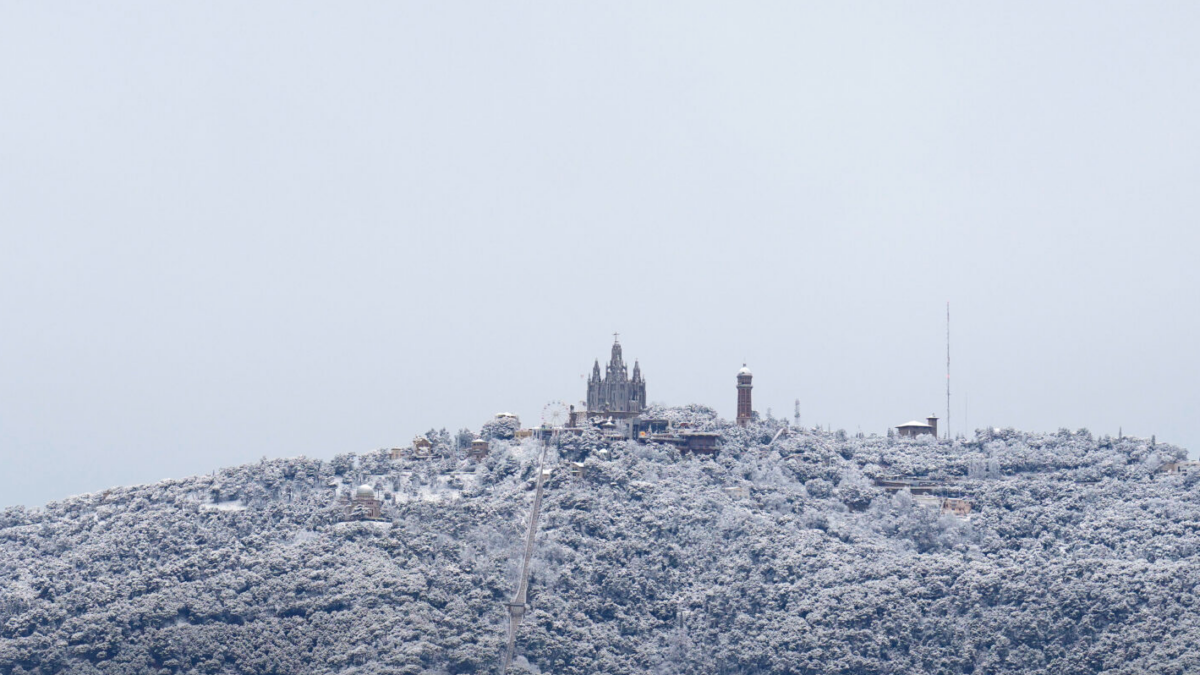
(236, 230)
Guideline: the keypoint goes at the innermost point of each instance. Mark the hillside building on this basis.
(479, 449)
(695, 442)
(648, 428)
(1179, 466)
(422, 448)
(956, 506)
(915, 428)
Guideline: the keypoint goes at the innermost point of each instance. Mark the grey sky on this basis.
(232, 230)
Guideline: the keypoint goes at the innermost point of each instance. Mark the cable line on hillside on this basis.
(516, 608)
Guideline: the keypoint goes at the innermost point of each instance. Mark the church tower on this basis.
(745, 412)
(616, 393)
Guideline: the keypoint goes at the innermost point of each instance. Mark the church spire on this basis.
(611, 390)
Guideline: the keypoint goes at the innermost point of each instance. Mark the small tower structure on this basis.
(364, 505)
(745, 411)
(479, 449)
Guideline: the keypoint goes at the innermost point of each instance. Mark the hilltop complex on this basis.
(617, 399)
(686, 544)
(795, 555)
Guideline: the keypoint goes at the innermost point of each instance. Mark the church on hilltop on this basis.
(616, 394)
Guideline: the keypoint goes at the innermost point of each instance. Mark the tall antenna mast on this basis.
(947, 370)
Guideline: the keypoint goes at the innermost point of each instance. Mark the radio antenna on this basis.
(947, 370)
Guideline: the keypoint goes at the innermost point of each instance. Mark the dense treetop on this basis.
(1078, 557)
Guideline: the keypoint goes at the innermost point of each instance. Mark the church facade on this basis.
(616, 394)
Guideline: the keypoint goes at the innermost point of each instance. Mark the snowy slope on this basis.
(1077, 558)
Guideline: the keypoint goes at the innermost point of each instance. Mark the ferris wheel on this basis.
(554, 414)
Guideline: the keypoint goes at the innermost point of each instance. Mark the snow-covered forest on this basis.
(1077, 557)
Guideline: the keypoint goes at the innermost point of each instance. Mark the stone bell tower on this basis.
(745, 411)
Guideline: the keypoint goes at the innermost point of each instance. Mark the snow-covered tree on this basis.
(1079, 556)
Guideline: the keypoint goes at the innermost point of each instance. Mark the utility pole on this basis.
(947, 370)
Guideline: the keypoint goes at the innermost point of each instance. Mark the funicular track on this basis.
(516, 608)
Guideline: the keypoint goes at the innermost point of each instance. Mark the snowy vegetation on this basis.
(1077, 558)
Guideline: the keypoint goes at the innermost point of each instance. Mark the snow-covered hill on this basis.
(1078, 557)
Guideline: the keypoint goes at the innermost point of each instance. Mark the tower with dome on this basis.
(745, 410)
(363, 505)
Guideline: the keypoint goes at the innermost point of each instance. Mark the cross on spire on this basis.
(616, 337)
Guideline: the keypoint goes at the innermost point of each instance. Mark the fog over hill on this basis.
(1078, 556)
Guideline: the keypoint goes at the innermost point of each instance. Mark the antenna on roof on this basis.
(947, 370)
